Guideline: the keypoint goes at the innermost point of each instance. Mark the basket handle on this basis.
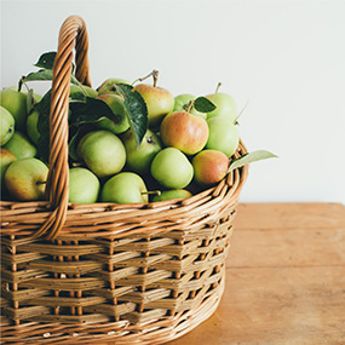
(73, 36)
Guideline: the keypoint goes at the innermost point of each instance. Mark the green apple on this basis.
(32, 127)
(26, 179)
(172, 194)
(223, 135)
(210, 166)
(108, 85)
(159, 102)
(103, 153)
(184, 131)
(112, 126)
(6, 158)
(183, 100)
(120, 123)
(6, 126)
(139, 157)
(20, 146)
(32, 122)
(16, 103)
(225, 106)
(172, 169)
(125, 188)
(83, 90)
(83, 186)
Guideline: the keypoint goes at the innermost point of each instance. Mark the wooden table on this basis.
(285, 279)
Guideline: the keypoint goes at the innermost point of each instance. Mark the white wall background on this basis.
(286, 57)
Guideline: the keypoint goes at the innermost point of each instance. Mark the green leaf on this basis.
(250, 158)
(90, 111)
(204, 105)
(43, 74)
(46, 60)
(136, 110)
(43, 108)
(86, 112)
(72, 145)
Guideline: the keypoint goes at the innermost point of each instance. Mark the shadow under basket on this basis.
(106, 273)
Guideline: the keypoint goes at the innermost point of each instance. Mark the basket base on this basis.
(160, 332)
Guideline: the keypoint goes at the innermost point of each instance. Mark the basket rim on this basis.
(121, 220)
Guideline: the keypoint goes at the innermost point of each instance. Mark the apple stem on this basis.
(154, 74)
(190, 106)
(27, 87)
(218, 87)
(20, 83)
(152, 192)
(241, 112)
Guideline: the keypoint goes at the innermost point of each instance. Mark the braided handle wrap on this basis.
(73, 36)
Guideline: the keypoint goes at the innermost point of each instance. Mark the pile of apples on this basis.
(183, 151)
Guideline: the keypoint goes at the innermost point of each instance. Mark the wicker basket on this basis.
(108, 273)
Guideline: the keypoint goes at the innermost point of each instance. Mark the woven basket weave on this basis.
(108, 273)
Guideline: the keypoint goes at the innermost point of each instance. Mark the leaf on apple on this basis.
(91, 111)
(84, 113)
(43, 74)
(250, 158)
(46, 60)
(45, 63)
(136, 111)
(204, 105)
(73, 143)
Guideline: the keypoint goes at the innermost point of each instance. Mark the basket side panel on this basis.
(135, 281)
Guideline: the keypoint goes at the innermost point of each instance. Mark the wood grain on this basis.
(285, 279)
(281, 248)
(290, 216)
